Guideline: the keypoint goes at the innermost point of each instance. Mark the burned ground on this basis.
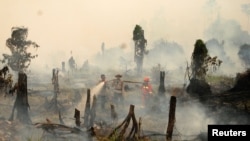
(191, 119)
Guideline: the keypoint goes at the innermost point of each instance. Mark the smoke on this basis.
(169, 54)
(115, 58)
(216, 48)
(231, 36)
(246, 9)
(192, 118)
(244, 54)
(223, 39)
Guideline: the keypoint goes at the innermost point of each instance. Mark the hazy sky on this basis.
(60, 26)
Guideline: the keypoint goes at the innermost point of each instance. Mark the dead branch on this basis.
(58, 129)
(124, 125)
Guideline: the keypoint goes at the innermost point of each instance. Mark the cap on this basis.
(118, 75)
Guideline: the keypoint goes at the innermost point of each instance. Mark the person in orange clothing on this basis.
(147, 91)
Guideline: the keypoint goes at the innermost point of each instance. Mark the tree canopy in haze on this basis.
(244, 54)
(199, 55)
(140, 45)
(138, 33)
(20, 58)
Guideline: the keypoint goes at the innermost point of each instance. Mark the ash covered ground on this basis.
(192, 115)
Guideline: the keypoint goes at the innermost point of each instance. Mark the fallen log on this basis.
(58, 129)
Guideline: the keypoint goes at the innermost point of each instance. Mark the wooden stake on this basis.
(171, 118)
(113, 113)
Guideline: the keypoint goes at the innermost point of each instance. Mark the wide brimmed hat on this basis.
(118, 75)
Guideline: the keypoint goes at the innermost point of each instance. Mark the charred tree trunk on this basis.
(53, 105)
(139, 127)
(171, 118)
(21, 104)
(113, 113)
(77, 117)
(87, 110)
(161, 89)
(93, 112)
(160, 98)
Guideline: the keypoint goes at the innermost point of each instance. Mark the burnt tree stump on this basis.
(21, 104)
(113, 113)
(92, 112)
(161, 89)
(77, 117)
(87, 110)
(160, 98)
(53, 104)
(171, 118)
(199, 89)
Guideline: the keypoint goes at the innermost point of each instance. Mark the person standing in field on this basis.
(118, 97)
(147, 91)
(103, 95)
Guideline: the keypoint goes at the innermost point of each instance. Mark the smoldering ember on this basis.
(148, 90)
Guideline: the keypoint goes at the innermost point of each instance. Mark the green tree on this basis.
(20, 58)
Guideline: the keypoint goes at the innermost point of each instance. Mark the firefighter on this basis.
(147, 91)
(103, 94)
(118, 90)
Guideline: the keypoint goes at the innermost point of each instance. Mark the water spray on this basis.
(94, 91)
